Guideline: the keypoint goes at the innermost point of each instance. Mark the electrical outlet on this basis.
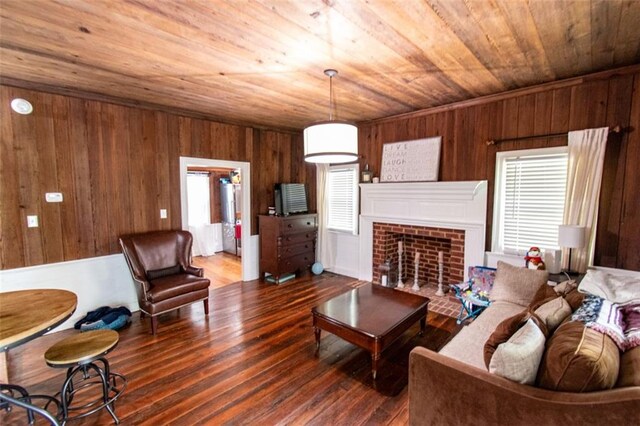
(32, 221)
(53, 197)
(163, 213)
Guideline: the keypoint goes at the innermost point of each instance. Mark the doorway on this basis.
(221, 267)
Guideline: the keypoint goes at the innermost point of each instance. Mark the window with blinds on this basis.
(529, 199)
(342, 198)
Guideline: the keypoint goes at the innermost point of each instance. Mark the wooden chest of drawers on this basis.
(287, 244)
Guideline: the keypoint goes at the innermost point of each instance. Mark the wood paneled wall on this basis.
(588, 102)
(116, 166)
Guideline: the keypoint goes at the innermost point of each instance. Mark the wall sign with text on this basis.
(411, 161)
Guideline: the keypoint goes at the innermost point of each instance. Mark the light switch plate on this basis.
(53, 197)
(163, 213)
(32, 221)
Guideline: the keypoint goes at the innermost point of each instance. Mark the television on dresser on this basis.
(291, 198)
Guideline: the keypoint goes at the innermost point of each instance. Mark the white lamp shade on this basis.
(331, 142)
(571, 236)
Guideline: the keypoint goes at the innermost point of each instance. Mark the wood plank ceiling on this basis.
(260, 62)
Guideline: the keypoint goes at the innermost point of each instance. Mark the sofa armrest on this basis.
(190, 269)
(445, 391)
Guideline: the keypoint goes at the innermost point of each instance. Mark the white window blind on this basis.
(530, 199)
(343, 198)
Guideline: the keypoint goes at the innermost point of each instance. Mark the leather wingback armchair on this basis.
(160, 262)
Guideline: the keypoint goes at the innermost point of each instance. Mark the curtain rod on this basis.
(616, 129)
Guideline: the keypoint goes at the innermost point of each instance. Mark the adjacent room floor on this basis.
(221, 268)
(252, 360)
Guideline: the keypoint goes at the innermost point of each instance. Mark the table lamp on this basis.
(571, 236)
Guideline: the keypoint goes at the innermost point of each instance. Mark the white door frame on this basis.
(248, 256)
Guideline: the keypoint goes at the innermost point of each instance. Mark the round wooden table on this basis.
(27, 314)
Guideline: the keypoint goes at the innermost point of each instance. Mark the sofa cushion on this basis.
(579, 359)
(629, 368)
(553, 312)
(468, 345)
(506, 329)
(519, 357)
(516, 285)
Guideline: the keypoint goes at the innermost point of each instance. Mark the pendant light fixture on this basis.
(332, 141)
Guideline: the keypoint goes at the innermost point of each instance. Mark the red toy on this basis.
(534, 259)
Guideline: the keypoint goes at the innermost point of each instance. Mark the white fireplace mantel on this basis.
(451, 205)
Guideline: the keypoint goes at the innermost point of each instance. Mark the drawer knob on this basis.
(308, 223)
(290, 225)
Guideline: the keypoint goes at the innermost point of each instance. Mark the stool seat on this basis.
(80, 348)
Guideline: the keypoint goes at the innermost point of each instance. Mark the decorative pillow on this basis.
(518, 358)
(563, 288)
(579, 359)
(629, 368)
(165, 272)
(574, 298)
(553, 312)
(542, 296)
(516, 285)
(508, 328)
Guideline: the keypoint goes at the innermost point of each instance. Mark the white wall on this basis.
(251, 270)
(97, 281)
(491, 259)
(346, 248)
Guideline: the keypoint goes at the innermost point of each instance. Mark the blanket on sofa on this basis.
(619, 289)
(621, 323)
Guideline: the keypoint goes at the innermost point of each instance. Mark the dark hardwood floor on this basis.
(252, 361)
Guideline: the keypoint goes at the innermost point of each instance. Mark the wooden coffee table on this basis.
(371, 317)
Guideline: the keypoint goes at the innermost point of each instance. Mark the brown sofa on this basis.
(160, 262)
(453, 387)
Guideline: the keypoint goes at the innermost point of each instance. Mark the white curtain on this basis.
(207, 239)
(324, 249)
(584, 176)
(199, 214)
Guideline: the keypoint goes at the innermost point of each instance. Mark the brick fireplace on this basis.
(428, 241)
(428, 217)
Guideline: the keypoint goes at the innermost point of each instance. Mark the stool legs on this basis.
(107, 382)
(24, 396)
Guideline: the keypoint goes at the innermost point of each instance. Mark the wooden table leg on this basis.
(375, 358)
(423, 324)
(4, 367)
(317, 331)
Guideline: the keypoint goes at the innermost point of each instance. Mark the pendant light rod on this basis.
(331, 73)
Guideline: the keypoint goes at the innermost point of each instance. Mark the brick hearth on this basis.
(428, 242)
(424, 240)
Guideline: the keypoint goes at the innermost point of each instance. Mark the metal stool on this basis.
(11, 395)
(79, 354)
